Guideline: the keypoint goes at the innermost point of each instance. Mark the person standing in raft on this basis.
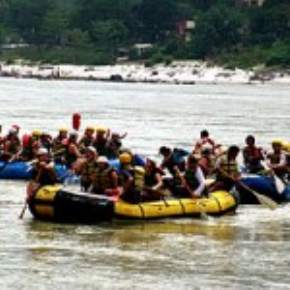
(253, 156)
(277, 161)
(43, 172)
(88, 168)
(192, 181)
(204, 141)
(227, 170)
(105, 179)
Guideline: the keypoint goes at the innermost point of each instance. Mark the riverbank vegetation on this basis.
(228, 32)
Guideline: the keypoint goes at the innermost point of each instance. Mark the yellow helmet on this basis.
(36, 133)
(63, 129)
(125, 158)
(90, 128)
(277, 142)
(101, 129)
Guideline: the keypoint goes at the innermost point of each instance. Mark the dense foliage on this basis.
(94, 31)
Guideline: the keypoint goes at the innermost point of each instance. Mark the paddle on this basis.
(279, 184)
(26, 200)
(263, 199)
(203, 214)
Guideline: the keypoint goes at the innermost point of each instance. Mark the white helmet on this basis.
(91, 149)
(42, 151)
(102, 159)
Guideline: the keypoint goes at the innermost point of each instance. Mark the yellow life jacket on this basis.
(139, 177)
(229, 166)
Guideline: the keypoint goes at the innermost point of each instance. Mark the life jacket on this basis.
(136, 172)
(191, 179)
(14, 144)
(150, 179)
(58, 146)
(86, 141)
(275, 158)
(89, 168)
(102, 179)
(70, 157)
(229, 167)
(207, 164)
(101, 146)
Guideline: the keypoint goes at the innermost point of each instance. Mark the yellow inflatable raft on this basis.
(219, 203)
(55, 203)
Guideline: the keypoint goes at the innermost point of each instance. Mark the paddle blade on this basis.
(266, 201)
(280, 186)
(76, 121)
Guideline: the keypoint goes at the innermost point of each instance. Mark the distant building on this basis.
(184, 29)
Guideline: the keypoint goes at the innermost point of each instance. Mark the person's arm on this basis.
(114, 177)
(200, 177)
(159, 181)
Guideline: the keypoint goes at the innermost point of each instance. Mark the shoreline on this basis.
(179, 72)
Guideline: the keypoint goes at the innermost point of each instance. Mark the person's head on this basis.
(42, 154)
(233, 152)
(91, 153)
(101, 131)
(276, 145)
(73, 137)
(16, 127)
(103, 162)
(150, 165)
(12, 132)
(36, 134)
(250, 140)
(62, 132)
(204, 134)
(90, 130)
(192, 162)
(165, 151)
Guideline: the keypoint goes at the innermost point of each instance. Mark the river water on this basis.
(249, 250)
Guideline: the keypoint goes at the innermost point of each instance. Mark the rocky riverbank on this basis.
(185, 72)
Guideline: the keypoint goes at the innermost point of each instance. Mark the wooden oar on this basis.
(26, 200)
(279, 184)
(263, 199)
(203, 214)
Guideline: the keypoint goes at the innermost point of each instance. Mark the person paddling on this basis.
(277, 161)
(43, 172)
(227, 170)
(253, 156)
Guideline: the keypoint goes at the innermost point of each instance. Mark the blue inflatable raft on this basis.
(263, 185)
(19, 170)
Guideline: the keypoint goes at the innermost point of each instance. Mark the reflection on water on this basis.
(249, 250)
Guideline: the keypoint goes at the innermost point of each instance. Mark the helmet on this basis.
(36, 133)
(42, 151)
(63, 129)
(91, 149)
(90, 128)
(101, 129)
(277, 142)
(125, 158)
(102, 159)
(73, 134)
